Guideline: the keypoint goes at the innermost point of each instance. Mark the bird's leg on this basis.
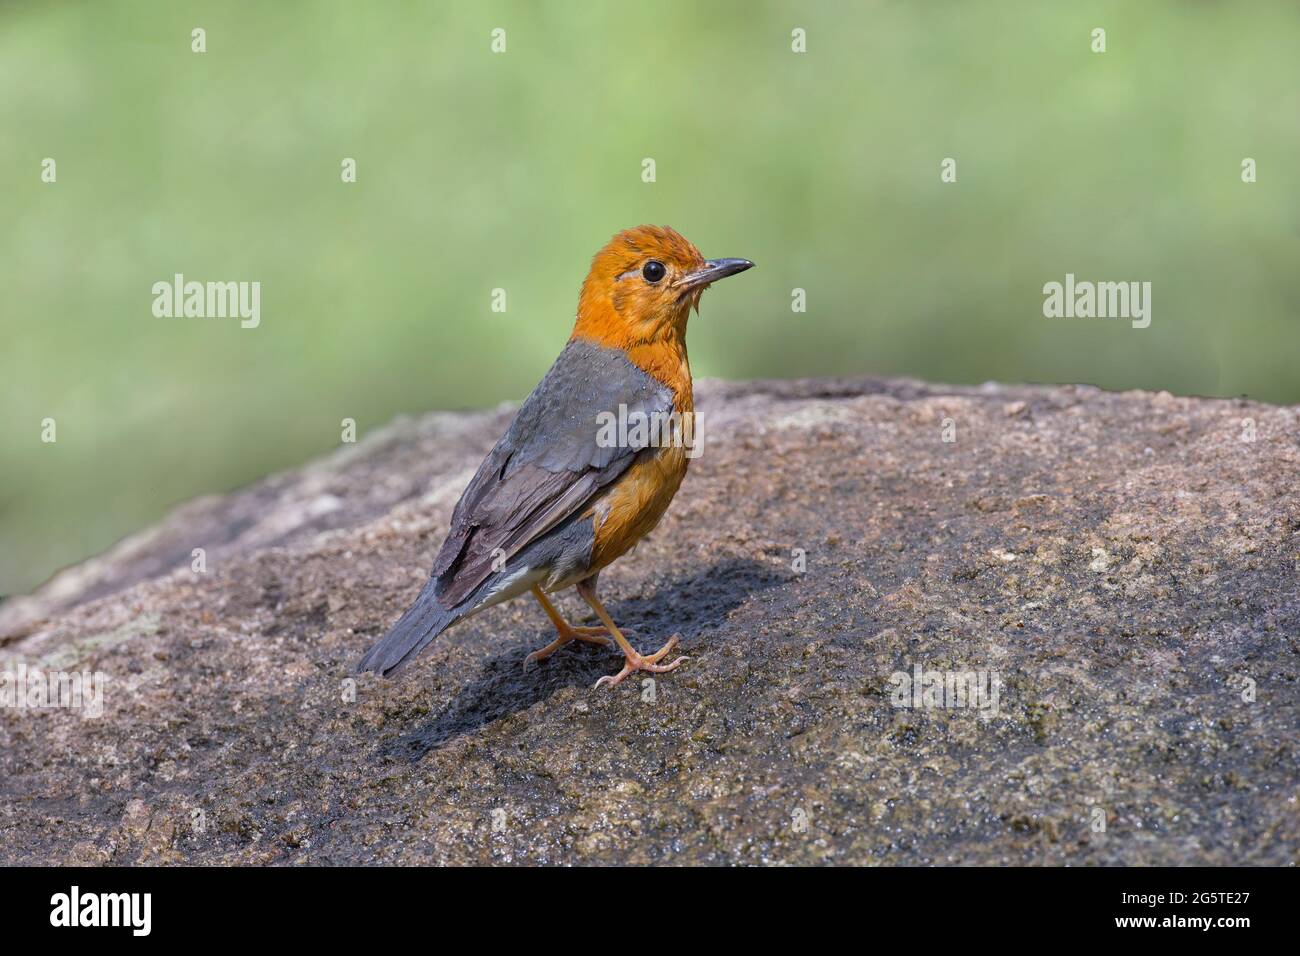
(634, 661)
(564, 631)
(592, 635)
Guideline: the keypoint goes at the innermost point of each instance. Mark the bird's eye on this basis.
(654, 271)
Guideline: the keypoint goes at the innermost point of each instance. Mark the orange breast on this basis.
(633, 505)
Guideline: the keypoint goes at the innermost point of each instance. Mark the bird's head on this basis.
(642, 286)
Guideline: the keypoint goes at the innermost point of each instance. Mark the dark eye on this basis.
(653, 271)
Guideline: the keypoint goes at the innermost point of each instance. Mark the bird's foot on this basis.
(649, 662)
(588, 635)
(592, 635)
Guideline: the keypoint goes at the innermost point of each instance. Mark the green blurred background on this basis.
(481, 170)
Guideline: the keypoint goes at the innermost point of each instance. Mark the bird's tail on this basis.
(423, 621)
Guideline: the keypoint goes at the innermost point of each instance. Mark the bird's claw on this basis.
(649, 662)
(588, 635)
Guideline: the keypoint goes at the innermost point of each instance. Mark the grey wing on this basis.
(548, 465)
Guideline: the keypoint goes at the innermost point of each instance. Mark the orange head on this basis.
(642, 286)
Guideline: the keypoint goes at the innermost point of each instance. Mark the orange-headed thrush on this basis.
(562, 494)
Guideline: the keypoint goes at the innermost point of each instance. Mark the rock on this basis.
(1122, 568)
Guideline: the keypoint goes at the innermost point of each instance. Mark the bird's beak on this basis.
(714, 269)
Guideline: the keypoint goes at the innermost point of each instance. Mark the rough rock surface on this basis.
(1125, 564)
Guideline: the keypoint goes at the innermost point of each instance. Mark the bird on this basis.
(587, 466)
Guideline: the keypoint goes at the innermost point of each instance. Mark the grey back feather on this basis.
(548, 465)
